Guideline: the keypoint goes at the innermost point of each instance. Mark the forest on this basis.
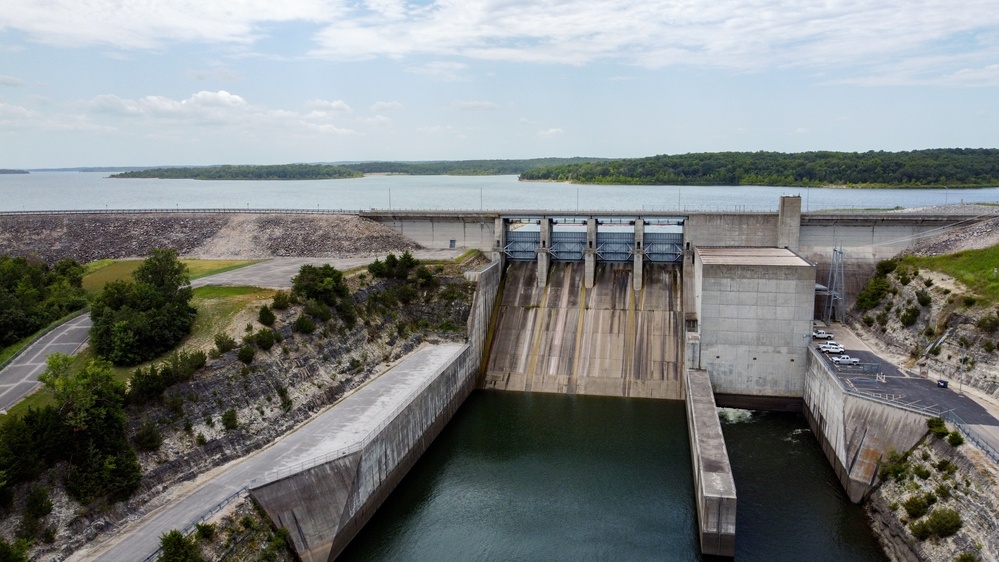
(955, 167)
(466, 167)
(276, 172)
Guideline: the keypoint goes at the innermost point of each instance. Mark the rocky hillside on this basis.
(233, 406)
(86, 237)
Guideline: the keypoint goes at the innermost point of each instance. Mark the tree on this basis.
(136, 321)
(91, 404)
(176, 547)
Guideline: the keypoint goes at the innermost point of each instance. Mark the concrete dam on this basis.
(608, 340)
(703, 308)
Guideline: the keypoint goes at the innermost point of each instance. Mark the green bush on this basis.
(265, 316)
(37, 504)
(281, 300)
(944, 522)
(224, 342)
(868, 320)
(896, 466)
(923, 298)
(916, 506)
(318, 310)
(873, 293)
(942, 491)
(200, 439)
(265, 339)
(246, 353)
(175, 547)
(967, 557)
(938, 427)
(229, 420)
(148, 437)
(205, 531)
(988, 324)
(969, 300)
(909, 317)
(921, 471)
(955, 439)
(884, 267)
(304, 325)
(988, 347)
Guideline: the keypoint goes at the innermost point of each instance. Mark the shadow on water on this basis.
(520, 476)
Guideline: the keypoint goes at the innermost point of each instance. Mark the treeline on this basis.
(465, 167)
(276, 172)
(33, 295)
(8, 171)
(955, 167)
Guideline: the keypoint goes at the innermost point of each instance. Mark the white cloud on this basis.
(8, 111)
(442, 70)
(383, 106)
(740, 34)
(12, 81)
(216, 74)
(550, 133)
(474, 105)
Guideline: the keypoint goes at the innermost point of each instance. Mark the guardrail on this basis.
(204, 517)
(972, 435)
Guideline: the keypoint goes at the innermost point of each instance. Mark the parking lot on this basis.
(883, 380)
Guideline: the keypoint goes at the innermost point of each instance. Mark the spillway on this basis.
(609, 340)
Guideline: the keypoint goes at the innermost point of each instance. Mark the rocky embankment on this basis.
(86, 237)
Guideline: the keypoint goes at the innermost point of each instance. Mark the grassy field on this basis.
(975, 269)
(101, 272)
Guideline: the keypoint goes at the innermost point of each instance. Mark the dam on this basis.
(703, 310)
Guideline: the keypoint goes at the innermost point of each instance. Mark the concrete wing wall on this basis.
(731, 229)
(855, 432)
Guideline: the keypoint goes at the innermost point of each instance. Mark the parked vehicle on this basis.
(822, 335)
(845, 360)
(831, 347)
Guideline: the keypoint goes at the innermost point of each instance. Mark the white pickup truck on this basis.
(822, 335)
(845, 360)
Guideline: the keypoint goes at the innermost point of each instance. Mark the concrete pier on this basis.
(713, 482)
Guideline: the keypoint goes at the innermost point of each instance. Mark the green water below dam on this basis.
(522, 476)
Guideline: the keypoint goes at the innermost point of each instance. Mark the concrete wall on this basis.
(609, 340)
(855, 432)
(753, 322)
(731, 229)
(324, 507)
(714, 486)
(437, 230)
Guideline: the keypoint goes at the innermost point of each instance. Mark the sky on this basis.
(174, 82)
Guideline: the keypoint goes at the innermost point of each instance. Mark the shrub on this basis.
(916, 506)
(873, 293)
(200, 439)
(281, 300)
(868, 320)
(318, 310)
(944, 522)
(942, 491)
(38, 504)
(969, 300)
(285, 399)
(935, 350)
(928, 282)
(205, 531)
(16, 552)
(224, 342)
(988, 347)
(265, 316)
(176, 547)
(265, 339)
(988, 324)
(903, 276)
(304, 325)
(229, 420)
(909, 317)
(896, 466)
(955, 439)
(148, 437)
(246, 353)
(884, 267)
(967, 557)
(938, 427)
(946, 466)
(921, 471)
(923, 298)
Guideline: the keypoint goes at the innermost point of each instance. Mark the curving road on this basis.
(20, 378)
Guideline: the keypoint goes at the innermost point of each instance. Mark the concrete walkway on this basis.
(339, 428)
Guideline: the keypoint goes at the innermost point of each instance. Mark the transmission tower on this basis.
(835, 302)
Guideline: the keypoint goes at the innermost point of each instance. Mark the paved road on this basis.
(20, 377)
(354, 419)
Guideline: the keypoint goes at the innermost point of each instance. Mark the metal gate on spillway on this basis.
(611, 246)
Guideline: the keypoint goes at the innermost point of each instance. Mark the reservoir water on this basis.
(47, 191)
(521, 476)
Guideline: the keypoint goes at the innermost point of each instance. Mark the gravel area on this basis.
(86, 237)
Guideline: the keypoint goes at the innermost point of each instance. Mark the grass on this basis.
(972, 268)
(101, 272)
